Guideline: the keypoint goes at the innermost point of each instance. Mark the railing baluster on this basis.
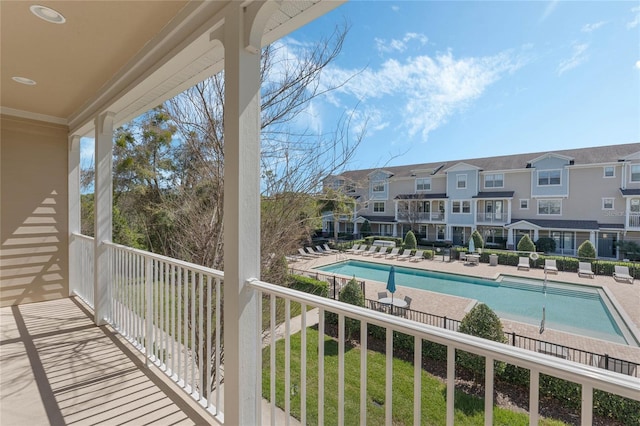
(341, 332)
(208, 385)
(363, 373)
(272, 359)
(534, 397)
(180, 307)
(451, 381)
(173, 319)
(303, 365)
(287, 361)
(192, 343)
(321, 366)
(488, 391)
(218, 344)
(185, 325)
(417, 381)
(201, 381)
(587, 405)
(148, 282)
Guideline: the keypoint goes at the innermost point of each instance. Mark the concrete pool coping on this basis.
(626, 298)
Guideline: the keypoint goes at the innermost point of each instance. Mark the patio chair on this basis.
(523, 263)
(382, 295)
(418, 256)
(369, 252)
(408, 300)
(405, 255)
(381, 253)
(353, 248)
(328, 249)
(621, 273)
(584, 268)
(393, 254)
(550, 266)
(312, 252)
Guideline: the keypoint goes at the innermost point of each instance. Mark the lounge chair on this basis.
(306, 255)
(354, 248)
(584, 268)
(405, 255)
(371, 250)
(329, 249)
(418, 256)
(312, 252)
(393, 254)
(621, 273)
(550, 266)
(381, 253)
(322, 251)
(523, 263)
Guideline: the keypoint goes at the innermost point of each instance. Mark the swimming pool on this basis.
(572, 308)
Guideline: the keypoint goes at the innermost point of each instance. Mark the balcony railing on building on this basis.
(421, 216)
(491, 217)
(172, 310)
(634, 220)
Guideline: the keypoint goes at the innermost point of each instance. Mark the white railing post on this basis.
(148, 286)
(74, 214)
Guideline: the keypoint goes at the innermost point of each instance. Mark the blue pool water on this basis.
(571, 308)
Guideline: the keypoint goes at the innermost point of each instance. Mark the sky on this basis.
(449, 80)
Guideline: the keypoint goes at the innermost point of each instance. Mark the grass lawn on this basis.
(469, 410)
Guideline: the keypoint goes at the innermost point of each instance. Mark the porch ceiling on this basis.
(121, 56)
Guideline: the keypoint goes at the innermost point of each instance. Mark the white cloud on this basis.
(578, 57)
(638, 65)
(587, 28)
(395, 8)
(636, 20)
(549, 9)
(395, 45)
(423, 92)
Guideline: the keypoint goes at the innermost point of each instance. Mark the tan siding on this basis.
(587, 187)
(33, 182)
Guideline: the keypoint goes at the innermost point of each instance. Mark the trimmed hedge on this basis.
(309, 285)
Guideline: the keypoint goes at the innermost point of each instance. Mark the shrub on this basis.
(309, 285)
(410, 241)
(525, 244)
(351, 293)
(365, 229)
(481, 321)
(587, 250)
(546, 245)
(478, 241)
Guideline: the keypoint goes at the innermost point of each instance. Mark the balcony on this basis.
(164, 331)
(421, 217)
(634, 221)
(491, 218)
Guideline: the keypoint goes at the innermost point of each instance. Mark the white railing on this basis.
(83, 267)
(491, 217)
(634, 220)
(420, 216)
(171, 311)
(588, 377)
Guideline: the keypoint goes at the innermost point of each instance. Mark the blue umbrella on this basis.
(391, 282)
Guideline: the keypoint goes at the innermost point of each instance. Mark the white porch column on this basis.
(395, 229)
(395, 209)
(508, 211)
(355, 228)
(243, 31)
(592, 237)
(510, 237)
(536, 234)
(103, 208)
(626, 212)
(73, 187)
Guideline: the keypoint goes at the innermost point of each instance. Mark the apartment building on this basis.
(568, 195)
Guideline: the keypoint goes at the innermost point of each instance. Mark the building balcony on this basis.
(634, 221)
(159, 359)
(421, 217)
(491, 218)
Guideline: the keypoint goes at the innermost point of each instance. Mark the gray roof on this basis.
(421, 196)
(600, 154)
(561, 224)
(630, 191)
(379, 219)
(494, 194)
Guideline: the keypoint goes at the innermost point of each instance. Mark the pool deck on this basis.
(625, 296)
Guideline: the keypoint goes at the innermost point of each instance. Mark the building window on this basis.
(524, 204)
(609, 171)
(378, 207)
(378, 186)
(635, 173)
(423, 184)
(494, 180)
(461, 206)
(461, 181)
(607, 203)
(350, 188)
(440, 232)
(550, 207)
(549, 177)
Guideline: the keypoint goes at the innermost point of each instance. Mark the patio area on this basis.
(59, 368)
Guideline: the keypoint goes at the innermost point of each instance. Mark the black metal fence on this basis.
(561, 351)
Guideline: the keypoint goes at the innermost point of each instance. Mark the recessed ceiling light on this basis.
(47, 14)
(24, 80)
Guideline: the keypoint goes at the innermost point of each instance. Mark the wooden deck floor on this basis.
(58, 368)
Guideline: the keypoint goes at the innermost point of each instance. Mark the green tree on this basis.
(410, 241)
(481, 321)
(587, 250)
(478, 241)
(525, 244)
(546, 245)
(365, 229)
(339, 204)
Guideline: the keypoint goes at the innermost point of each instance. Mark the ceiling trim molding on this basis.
(33, 116)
